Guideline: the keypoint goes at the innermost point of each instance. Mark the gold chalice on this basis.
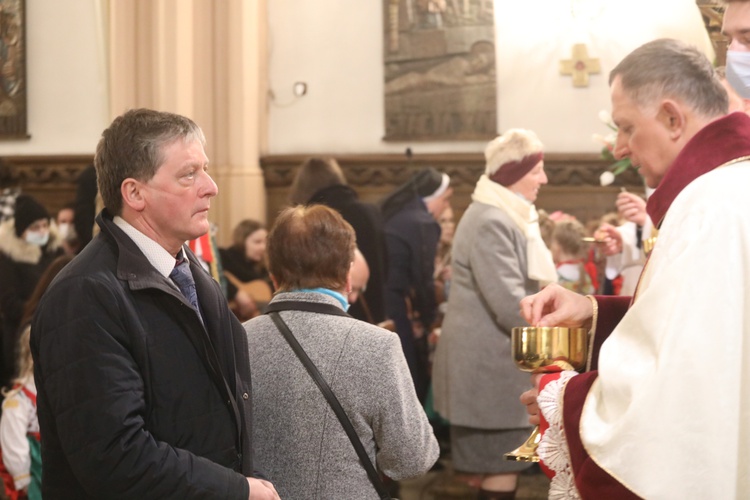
(538, 350)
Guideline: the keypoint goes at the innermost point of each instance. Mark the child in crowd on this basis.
(20, 447)
(19, 431)
(546, 226)
(568, 251)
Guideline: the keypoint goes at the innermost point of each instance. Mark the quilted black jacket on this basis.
(136, 398)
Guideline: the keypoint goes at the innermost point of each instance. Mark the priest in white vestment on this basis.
(664, 411)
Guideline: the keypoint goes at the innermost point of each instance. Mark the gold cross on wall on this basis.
(580, 66)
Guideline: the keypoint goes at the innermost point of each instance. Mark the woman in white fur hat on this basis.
(499, 257)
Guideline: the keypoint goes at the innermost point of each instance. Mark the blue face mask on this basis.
(738, 72)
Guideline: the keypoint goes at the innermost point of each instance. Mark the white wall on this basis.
(66, 79)
(335, 46)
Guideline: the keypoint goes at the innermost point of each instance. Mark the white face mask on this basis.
(39, 238)
(64, 230)
(738, 72)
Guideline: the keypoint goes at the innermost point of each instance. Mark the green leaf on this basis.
(619, 167)
(607, 154)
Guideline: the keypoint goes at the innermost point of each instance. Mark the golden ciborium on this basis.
(545, 350)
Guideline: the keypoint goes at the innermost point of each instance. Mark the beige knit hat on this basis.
(512, 155)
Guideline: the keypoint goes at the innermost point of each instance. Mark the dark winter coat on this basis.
(367, 223)
(21, 266)
(412, 236)
(136, 398)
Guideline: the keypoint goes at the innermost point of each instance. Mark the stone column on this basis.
(206, 60)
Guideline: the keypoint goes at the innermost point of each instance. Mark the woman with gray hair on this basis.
(300, 445)
(499, 257)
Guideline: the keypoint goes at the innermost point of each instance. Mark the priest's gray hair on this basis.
(667, 68)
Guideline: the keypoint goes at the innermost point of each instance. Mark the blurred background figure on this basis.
(87, 205)
(412, 233)
(206, 250)
(8, 201)
(624, 244)
(546, 226)
(442, 272)
(499, 257)
(248, 284)
(569, 253)
(442, 276)
(360, 275)
(321, 180)
(19, 426)
(27, 247)
(64, 220)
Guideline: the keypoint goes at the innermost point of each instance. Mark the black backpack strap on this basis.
(333, 401)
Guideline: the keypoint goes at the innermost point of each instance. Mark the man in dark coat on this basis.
(144, 381)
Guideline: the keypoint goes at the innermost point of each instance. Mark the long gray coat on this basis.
(301, 446)
(475, 381)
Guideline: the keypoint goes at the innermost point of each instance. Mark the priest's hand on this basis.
(528, 399)
(556, 306)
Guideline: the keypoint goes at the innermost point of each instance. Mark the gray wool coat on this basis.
(475, 381)
(299, 443)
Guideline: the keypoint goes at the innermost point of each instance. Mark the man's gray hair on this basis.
(667, 68)
(133, 147)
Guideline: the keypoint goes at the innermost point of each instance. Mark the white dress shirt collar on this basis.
(162, 260)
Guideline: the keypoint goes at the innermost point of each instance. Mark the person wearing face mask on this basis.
(66, 229)
(736, 26)
(499, 257)
(736, 103)
(27, 246)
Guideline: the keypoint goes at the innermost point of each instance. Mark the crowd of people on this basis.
(139, 360)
